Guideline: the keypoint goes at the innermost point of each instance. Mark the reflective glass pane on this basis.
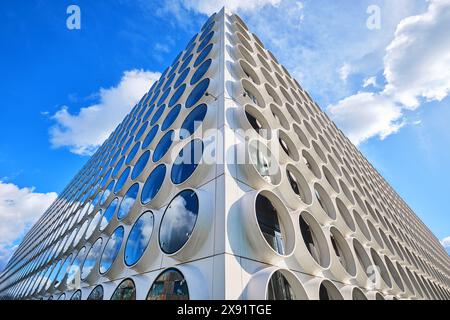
(201, 71)
(193, 121)
(111, 250)
(128, 201)
(170, 285)
(96, 294)
(163, 146)
(153, 184)
(171, 117)
(109, 214)
(91, 259)
(125, 291)
(139, 238)
(140, 165)
(197, 93)
(178, 221)
(187, 161)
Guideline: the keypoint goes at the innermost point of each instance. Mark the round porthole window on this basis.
(171, 117)
(193, 121)
(128, 201)
(125, 291)
(140, 165)
(111, 250)
(170, 285)
(200, 72)
(197, 93)
(96, 294)
(187, 161)
(178, 221)
(91, 259)
(264, 162)
(279, 288)
(108, 215)
(163, 146)
(298, 184)
(139, 238)
(270, 224)
(153, 184)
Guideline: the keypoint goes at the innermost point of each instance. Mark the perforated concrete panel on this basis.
(275, 204)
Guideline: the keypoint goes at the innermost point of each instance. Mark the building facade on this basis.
(227, 181)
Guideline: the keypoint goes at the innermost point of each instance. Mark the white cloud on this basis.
(19, 210)
(84, 132)
(371, 81)
(416, 65)
(209, 7)
(365, 115)
(446, 243)
(345, 71)
(417, 62)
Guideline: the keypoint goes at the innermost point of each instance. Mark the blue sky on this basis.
(390, 96)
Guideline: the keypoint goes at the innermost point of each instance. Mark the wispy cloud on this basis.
(85, 131)
(19, 210)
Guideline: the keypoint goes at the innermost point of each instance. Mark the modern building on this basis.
(276, 204)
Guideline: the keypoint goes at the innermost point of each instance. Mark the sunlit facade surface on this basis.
(166, 209)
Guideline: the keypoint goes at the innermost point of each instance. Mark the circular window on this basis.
(381, 267)
(178, 221)
(141, 131)
(123, 178)
(170, 285)
(205, 41)
(193, 121)
(111, 250)
(202, 56)
(163, 146)
(139, 238)
(197, 93)
(257, 121)
(91, 259)
(328, 291)
(201, 71)
(363, 259)
(270, 225)
(107, 192)
(287, 145)
(153, 184)
(176, 96)
(76, 295)
(81, 233)
(298, 184)
(74, 272)
(133, 153)
(140, 165)
(362, 225)
(108, 215)
(330, 179)
(345, 214)
(311, 164)
(182, 77)
(314, 239)
(187, 161)
(96, 293)
(358, 294)
(159, 112)
(94, 224)
(118, 167)
(279, 288)
(164, 97)
(63, 271)
(125, 291)
(325, 201)
(150, 136)
(128, 201)
(171, 117)
(342, 251)
(264, 162)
